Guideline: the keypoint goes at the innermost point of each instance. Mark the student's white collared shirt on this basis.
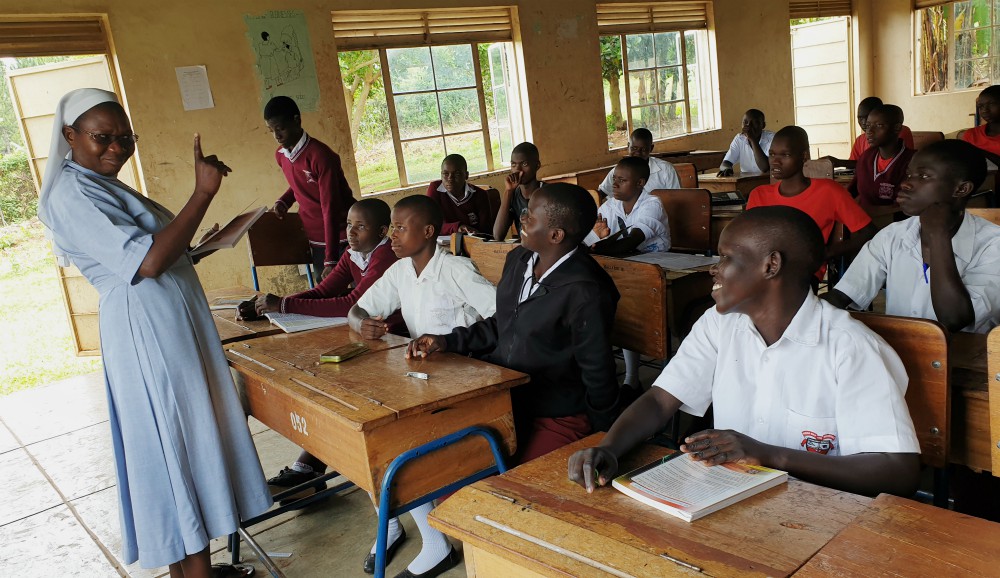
(894, 258)
(449, 293)
(293, 154)
(828, 385)
(647, 215)
(362, 259)
(469, 190)
(662, 175)
(741, 152)
(529, 285)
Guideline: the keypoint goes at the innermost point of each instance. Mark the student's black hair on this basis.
(527, 149)
(790, 232)
(570, 208)
(869, 103)
(964, 161)
(458, 160)
(755, 113)
(795, 135)
(376, 210)
(642, 134)
(889, 112)
(281, 107)
(638, 166)
(992, 91)
(427, 209)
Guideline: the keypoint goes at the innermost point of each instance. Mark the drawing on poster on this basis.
(280, 44)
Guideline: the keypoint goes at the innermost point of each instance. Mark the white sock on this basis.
(395, 531)
(631, 367)
(435, 545)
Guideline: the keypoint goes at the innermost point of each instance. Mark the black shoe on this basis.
(288, 478)
(449, 562)
(389, 552)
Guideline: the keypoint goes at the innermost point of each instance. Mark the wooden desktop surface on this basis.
(703, 160)
(771, 534)
(232, 329)
(899, 537)
(741, 183)
(358, 415)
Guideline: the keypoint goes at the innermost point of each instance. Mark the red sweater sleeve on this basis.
(328, 299)
(289, 197)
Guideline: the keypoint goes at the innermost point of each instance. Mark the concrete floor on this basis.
(59, 513)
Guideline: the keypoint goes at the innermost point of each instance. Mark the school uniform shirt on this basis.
(861, 143)
(647, 215)
(879, 187)
(557, 330)
(741, 152)
(829, 385)
(472, 210)
(894, 258)
(662, 175)
(317, 183)
(977, 136)
(449, 293)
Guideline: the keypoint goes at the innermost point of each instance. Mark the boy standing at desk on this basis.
(881, 168)
(466, 207)
(782, 370)
(315, 181)
(822, 199)
(520, 184)
(942, 263)
(662, 174)
(555, 309)
(436, 292)
(749, 148)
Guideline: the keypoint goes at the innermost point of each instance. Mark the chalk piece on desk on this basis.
(417, 374)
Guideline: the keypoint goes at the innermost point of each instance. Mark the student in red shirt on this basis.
(822, 199)
(315, 181)
(466, 207)
(861, 143)
(368, 255)
(882, 168)
(986, 136)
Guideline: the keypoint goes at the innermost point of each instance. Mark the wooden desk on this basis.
(357, 416)
(739, 183)
(899, 537)
(970, 402)
(770, 534)
(230, 329)
(722, 215)
(702, 160)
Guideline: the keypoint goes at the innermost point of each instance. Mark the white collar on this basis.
(804, 327)
(363, 259)
(469, 189)
(294, 153)
(530, 270)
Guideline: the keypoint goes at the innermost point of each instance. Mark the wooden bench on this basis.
(687, 174)
(641, 320)
(818, 169)
(689, 214)
(922, 138)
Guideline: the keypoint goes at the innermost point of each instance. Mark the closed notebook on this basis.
(294, 322)
(682, 487)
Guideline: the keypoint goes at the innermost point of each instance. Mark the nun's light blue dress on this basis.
(186, 465)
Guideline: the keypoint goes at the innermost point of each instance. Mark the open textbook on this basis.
(682, 487)
(293, 322)
(227, 237)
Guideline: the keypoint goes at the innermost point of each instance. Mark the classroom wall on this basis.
(561, 72)
(893, 78)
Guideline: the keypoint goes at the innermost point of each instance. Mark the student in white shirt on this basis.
(749, 148)
(662, 174)
(436, 292)
(942, 263)
(795, 384)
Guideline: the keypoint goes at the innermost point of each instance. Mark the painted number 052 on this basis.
(299, 423)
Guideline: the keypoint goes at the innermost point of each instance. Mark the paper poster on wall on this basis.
(196, 93)
(279, 40)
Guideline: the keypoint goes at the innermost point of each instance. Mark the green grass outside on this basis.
(36, 346)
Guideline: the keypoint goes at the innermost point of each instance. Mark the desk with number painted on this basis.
(230, 328)
(899, 537)
(609, 534)
(357, 416)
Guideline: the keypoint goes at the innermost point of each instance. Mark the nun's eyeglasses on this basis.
(124, 140)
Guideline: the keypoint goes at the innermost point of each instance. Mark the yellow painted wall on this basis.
(893, 73)
(561, 72)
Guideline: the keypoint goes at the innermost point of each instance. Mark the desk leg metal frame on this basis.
(385, 498)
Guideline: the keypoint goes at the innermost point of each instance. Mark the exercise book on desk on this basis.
(682, 487)
(294, 322)
(675, 261)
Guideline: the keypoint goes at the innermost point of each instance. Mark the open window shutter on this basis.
(818, 8)
(650, 17)
(367, 29)
(23, 38)
(918, 4)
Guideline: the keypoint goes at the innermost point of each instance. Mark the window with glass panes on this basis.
(958, 45)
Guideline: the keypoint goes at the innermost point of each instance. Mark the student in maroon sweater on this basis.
(882, 168)
(315, 181)
(368, 256)
(466, 207)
